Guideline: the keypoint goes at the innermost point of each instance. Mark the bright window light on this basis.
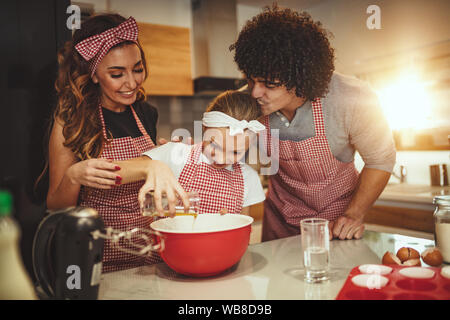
(406, 103)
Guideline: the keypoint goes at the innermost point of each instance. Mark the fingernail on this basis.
(118, 180)
(117, 168)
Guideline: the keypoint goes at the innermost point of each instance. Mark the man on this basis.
(323, 117)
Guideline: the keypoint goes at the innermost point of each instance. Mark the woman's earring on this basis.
(94, 79)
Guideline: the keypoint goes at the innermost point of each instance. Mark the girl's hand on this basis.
(160, 179)
(223, 211)
(163, 141)
(95, 173)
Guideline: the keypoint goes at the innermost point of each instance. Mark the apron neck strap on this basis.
(102, 120)
(317, 110)
(138, 122)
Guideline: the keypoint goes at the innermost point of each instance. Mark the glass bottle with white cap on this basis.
(442, 225)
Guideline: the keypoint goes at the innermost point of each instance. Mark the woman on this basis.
(101, 117)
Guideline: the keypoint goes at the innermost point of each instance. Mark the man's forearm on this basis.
(370, 185)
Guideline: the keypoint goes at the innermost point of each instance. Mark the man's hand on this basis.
(330, 229)
(346, 227)
(371, 184)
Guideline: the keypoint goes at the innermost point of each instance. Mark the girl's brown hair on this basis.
(237, 104)
(79, 96)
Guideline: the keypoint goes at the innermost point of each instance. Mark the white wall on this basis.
(244, 13)
(214, 29)
(405, 25)
(166, 12)
(417, 164)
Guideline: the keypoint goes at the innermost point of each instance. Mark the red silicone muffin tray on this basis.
(399, 287)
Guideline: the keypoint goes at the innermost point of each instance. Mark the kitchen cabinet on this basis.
(168, 53)
(406, 206)
(257, 211)
(401, 217)
(403, 206)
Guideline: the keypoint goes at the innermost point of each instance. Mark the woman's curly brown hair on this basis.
(78, 96)
(285, 45)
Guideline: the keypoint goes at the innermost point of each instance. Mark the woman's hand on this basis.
(95, 173)
(160, 179)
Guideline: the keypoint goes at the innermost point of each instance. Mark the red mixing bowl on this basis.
(206, 245)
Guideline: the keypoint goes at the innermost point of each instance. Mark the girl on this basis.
(101, 117)
(214, 167)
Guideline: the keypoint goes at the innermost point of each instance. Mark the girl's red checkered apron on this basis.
(218, 188)
(310, 182)
(119, 207)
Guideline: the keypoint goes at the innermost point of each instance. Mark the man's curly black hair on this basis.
(288, 46)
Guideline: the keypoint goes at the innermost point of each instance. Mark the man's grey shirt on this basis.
(353, 120)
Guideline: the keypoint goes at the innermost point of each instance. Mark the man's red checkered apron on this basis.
(218, 188)
(119, 207)
(310, 182)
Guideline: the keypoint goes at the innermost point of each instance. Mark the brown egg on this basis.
(432, 257)
(412, 263)
(390, 258)
(406, 253)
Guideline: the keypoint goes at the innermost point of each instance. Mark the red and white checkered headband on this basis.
(94, 49)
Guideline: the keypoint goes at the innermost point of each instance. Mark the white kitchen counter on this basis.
(411, 195)
(269, 270)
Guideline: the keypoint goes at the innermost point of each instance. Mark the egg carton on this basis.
(376, 282)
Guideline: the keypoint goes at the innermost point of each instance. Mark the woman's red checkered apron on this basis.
(218, 188)
(310, 182)
(119, 207)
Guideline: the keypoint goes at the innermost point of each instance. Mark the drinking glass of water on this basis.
(316, 249)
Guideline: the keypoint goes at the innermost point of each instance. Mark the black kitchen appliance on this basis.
(67, 256)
